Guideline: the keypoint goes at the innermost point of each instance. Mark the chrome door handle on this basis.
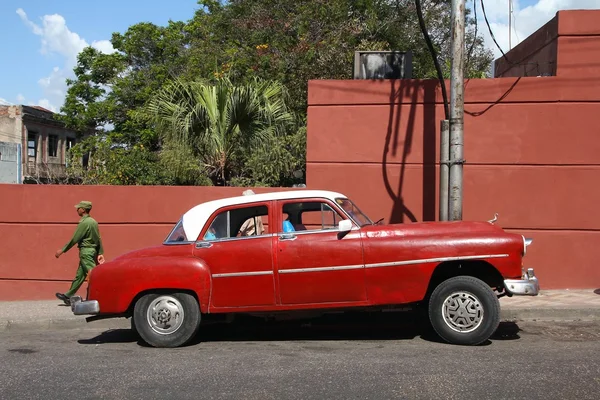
(287, 236)
(203, 245)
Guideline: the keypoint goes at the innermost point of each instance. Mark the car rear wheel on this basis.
(166, 319)
(464, 310)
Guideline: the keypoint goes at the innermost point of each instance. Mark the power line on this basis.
(470, 52)
(433, 55)
(492, 34)
(514, 20)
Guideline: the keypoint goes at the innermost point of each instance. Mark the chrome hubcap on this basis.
(462, 312)
(165, 315)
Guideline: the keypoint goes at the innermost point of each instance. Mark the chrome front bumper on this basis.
(87, 307)
(528, 286)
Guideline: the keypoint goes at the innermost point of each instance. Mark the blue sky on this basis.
(28, 61)
(41, 38)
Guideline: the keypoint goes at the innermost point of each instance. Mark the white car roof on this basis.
(195, 218)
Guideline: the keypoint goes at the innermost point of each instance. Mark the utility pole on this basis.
(510, 5)
(444, 168)
(457, 111)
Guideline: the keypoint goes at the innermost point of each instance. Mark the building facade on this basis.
(44, 141)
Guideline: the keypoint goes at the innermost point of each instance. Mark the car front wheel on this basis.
(464, 310)
(166, 319)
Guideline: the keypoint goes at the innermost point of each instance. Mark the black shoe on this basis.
(64, 298)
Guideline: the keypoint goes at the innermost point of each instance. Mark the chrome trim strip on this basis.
(230, 274)
(232, 239)
(350, 267)
(317, 232)
(429, 260)
(318, 269)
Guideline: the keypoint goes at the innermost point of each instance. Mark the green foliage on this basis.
(215, 121)
(275, 163)
(98, 161)
(181, 167)
(244, 44)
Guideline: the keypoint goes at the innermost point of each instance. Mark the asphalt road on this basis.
(326, 360)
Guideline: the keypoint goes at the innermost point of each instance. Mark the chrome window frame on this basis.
(223, 240)
(183, 242)
(340, 211)
(237, 207)
(349, 217)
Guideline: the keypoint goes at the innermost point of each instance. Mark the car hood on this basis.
(438, 229)
(157, 251)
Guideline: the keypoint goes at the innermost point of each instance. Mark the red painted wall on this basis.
(36, 220)
(531, 146)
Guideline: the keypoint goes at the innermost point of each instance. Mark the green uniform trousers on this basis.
(87, 261)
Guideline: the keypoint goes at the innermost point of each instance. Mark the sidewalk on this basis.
(568, 305)
(49, 315)
(548, 305)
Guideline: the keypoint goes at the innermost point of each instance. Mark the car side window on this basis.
(309, 216)
(239, 222)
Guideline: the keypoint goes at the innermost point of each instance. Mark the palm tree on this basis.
(217, 120)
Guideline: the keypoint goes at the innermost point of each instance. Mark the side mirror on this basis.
(345, 225)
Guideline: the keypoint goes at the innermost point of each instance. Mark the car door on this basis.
(316, 263)
(239, 257)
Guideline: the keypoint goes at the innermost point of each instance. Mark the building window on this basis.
(31, 144)
(70, 142)
(52, 146)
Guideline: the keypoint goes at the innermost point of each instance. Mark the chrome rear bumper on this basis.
(528, 286)
(87, 307)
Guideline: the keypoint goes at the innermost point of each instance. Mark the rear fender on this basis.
(117, 284)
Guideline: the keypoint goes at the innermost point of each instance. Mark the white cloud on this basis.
(526, 20)
(36, 29)
(20, 98)
(47, 105)
(103, 46)
(57, 38)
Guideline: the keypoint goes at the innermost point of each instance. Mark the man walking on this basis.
(91, 253)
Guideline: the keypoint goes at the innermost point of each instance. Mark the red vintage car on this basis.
(308, 250)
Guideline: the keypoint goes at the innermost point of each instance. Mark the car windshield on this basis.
(354, 212)
(177, 234)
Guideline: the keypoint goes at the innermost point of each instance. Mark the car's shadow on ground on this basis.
(359, 326)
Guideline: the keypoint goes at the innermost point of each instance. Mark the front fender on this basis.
(116, 284)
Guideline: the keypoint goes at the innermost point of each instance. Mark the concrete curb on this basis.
(507, 314)
(63, 324)
(551, 314)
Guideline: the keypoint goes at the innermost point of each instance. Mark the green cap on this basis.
(86, 205)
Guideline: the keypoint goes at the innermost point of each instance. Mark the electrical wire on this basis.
(470, 52)
(492, 34)
(514, 24)
(434, 56)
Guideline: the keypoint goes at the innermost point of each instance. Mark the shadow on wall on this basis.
(399, 90)
(495, 103)
(409, 90)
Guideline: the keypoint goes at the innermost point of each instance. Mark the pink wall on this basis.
(36, 220)
(531, 146)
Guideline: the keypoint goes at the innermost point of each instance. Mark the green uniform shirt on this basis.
(87, 235)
